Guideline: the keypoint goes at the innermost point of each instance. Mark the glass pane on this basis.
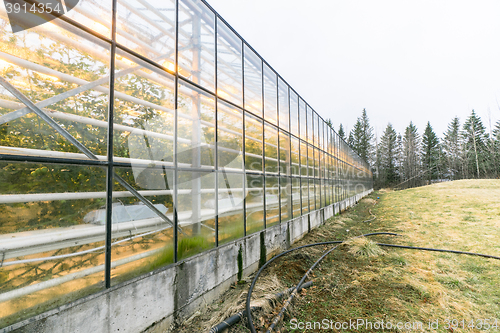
(294, 113)
(48, 237)
(317, 161)
(66, 74)
(285, 199)
(303, 159)
(143, 116)
(303, 119)
(272, 201)
(312, 194)
(195, 128)
(95, 15)
(148, 28)
(196, 43)
(144, 240)
(271, 148)
(229, 62)
(295, 156)
(309, 125)
(230, 207)
(255, 203)
(196, 212)
(311, 161)
(315, 129)
(229, 137)
(296, 197)
(284, 153)
(253, 143)
(305, 194)
(270, 96)
(253, 82)
(283, 104)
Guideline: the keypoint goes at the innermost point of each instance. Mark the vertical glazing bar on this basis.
(263, 147)
(279, 150)
(216, 140)
(109, 170)
(176, 89)
(244, 141)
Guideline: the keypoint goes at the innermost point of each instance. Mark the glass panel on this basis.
(303, 119)
(66, 74)
(309, 125)
(284, 153)
(255, 203)
(315, 129)
(95, 15)
(229, 62)
(303, 159)
(196, 212)
(270, 96)
(195, 128)
(296, 197)
(312, 194)
(294, 113)
(144, 241)
(285, 199)
(45, 227)
(253, 82)
(148, 28)
(283, 104)
(143, 117)
(295, 156)
(229, 137)
(317, 188)
(311, 161)
(196, 43)
(271, 149)
(305, 194)
(253, 143)
(317, 161)
(272, 201)
(230, 207)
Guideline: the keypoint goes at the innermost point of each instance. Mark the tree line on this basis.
(466, 150)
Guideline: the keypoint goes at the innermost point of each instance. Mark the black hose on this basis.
(234, 319)
(287, 303)
(252, 285)
(296, 289)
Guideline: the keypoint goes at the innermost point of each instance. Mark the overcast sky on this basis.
(402, 60)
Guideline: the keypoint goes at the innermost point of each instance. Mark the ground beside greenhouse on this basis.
(442, 292)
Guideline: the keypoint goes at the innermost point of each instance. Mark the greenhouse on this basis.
(136, 134)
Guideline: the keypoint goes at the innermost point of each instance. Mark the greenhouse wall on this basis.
(139, 138)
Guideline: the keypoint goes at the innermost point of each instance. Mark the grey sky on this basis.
(402, 60)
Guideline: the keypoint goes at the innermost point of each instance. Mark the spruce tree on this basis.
(475, 137)
(341, 132)
(388, 150)
(452, 149)
(430, 150)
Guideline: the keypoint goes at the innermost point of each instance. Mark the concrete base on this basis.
(158, 300)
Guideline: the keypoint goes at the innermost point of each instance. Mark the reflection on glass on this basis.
(195, 128)
(284, 153)
(196, 211)
(283, 104)
(270, 96)
(253, 143)
(303, 159)
(296, 197)
(255, 203)
(44, 212)
(143, 116)
(304, 184)
(272, 201)
(309, 116)
(196, 43)
(144, 240)
(253, 82)
(271, 149)
(148, 28)
(311, 161)
(72, 90)
(230, 207)
(229, 137)
(285, 199)
(229, 71)
(295, 156)
(303, 119)
(294, 113)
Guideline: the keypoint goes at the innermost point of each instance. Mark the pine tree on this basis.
(387, 155)
(361, 136)
(430, 150)
(475, 138)
(341, 132)
(411, 147)
(452, 149)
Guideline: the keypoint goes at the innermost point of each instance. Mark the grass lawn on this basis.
(401, 285)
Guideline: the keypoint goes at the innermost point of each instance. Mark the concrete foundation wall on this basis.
(156, 301)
